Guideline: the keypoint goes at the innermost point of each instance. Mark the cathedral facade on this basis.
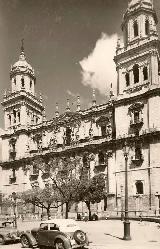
(97, 134)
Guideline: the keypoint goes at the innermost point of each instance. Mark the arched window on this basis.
(127, 79)
(136, 73)
(139, 188)
(101, 158)
(22, 82)
(147, 27)
(135, 27)
(145, 73)
(14, 81)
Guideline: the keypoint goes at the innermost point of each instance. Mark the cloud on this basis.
(70, 93)
(98, 69)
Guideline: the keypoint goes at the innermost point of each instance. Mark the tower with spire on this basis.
(138, 58)
(21, 106)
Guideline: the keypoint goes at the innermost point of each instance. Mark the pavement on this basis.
(108, 234)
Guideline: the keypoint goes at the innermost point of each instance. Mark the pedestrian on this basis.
(22, 217)
(140, 217)
(85, 216)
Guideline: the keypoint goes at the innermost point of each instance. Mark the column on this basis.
(154, 68)
(131, 78)
(6, 120)
(23, 114)
(141, 74)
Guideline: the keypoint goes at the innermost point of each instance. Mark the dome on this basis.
(136, 2)
(22, 65)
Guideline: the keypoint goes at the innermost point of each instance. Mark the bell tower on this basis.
(137, 59)
(20, 104)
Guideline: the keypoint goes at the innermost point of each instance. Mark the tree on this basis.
(64, 174)
(46, 198)
(92, 191)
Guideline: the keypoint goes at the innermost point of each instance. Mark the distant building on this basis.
(133, 116)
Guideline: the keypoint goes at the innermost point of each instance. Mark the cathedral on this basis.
(96, 135)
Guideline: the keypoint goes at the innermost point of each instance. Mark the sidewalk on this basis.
(109, 234)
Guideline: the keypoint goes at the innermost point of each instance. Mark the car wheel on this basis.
(25, 242)
(80, 237)
(59, 244)
(2, 241)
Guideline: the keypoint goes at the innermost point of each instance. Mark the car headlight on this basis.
(73, 242)
(9, 235)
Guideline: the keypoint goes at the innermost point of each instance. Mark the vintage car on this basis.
(8, 233)
(57, 233)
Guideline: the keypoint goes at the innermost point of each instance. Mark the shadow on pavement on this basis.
(113, 236)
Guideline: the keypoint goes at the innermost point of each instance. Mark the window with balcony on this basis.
(12, 177)
(139, 188)
(127, 79)
(138, 152)
(137, 159)
(103, 130)
(101, 158)
(12, 152)
(147, 27)
(14, 116)
(136, 73)
(145, 73)
(135, 28)
(136, 117)
(85, 161)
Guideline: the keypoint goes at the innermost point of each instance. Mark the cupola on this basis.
(22, 74)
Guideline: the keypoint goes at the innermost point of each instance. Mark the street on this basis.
(109, 233)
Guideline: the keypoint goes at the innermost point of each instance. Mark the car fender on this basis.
(30, 237)
(65, 240)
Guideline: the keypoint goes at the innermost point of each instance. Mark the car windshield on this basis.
(44, 226)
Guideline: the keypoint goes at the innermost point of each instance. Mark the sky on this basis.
(69, 43)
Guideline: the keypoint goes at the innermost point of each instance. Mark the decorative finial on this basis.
(57, 111)
(68, 107)
(5, 94)
(44, 114)
(78, 104)
(22, 45)
(40, 97)
(111, 92)
(22, 55)
(93, 98)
